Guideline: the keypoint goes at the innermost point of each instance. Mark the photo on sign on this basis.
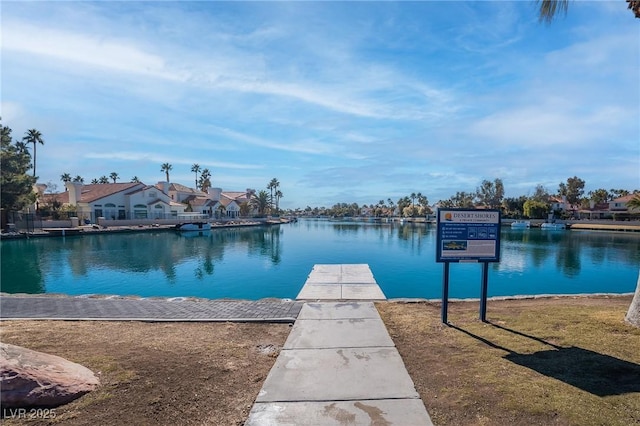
(455, 245)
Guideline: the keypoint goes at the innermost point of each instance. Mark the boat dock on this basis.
(339, 364)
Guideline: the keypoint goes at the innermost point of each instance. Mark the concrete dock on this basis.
(341, 282)
(339, 365)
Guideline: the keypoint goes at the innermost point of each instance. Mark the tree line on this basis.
(489, 195)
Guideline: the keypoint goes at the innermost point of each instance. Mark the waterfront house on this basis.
(116, 201)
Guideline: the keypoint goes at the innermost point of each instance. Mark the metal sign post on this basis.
(470, 236)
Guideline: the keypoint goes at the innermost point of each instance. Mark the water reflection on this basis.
(274, 261)
(25, 262)
(21, 271)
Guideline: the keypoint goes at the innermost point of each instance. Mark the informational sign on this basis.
(468, 235)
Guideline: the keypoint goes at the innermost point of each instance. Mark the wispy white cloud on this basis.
(158, 158)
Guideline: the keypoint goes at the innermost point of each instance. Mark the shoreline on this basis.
(286, 299)
(91, 230)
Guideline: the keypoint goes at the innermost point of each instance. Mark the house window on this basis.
(152, 195)
(159, 211)
(110, 211)
(140, 211)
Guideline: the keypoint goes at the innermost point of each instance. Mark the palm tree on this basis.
(165, 168)
(78, 179)
(65, 177)
(550, 8)
(94, 181)
(35, 137)
(196, 169)
(103, 179)
(260, 201)
(114, 176)
(135, 179)
(274, 184)
(21, 147)
(634, 203)
(278, 195)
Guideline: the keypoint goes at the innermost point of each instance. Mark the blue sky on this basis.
(340, 101)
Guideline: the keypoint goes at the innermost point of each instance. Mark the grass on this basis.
(552, 361)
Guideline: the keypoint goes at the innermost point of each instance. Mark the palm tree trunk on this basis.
(34, 158)
(633, 314)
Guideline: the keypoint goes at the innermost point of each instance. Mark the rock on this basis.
(35, 379)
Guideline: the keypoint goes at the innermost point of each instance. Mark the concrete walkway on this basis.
(338, 366)
(118, 309)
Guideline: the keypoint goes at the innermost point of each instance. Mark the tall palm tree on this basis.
(273, 185)
(103, 179)
(135, 179)
(78, 179)
(196, 169)
(94, 181)
(278, 195)
(166, 167)
(550, 8)
(35, 137)
(114, 176)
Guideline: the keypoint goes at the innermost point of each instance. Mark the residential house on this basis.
(117, 201)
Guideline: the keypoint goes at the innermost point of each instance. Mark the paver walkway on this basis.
(84, 308)
(338, 366)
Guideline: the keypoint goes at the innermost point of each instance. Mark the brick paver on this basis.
(85, 308)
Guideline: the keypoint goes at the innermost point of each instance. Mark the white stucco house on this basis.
(119, 201)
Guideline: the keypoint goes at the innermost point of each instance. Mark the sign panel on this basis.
(468, 235)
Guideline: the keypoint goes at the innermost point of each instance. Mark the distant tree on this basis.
(17, 186)
(514, 206)
(446, 204)
(205, 180)
(278, 195)
(35, 137)
(572, 189)
(94, 181)
(541, 194)
(166, 167)
(196, 169)
(617, 193)
(260, 202)
(490, 194)
(103, 179)
(463, 200)
(272, 186)
(52, 187)
(599, 196)
(245, 209)
(79, 179)
(403, 203)
(535, 209)
(634, 203)
(114, 176)
(65, 177)
(135, 179)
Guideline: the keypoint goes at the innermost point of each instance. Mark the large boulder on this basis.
(35, 379)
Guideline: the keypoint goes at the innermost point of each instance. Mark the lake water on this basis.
(253, 263)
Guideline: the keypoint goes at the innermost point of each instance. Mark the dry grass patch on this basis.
(157, 373)
(565, 361)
